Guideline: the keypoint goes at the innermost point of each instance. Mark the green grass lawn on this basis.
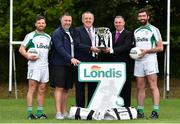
(14, 111)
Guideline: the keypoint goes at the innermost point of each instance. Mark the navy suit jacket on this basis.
(60, 53)
(82, 51)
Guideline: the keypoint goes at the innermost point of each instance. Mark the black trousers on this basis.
(126, 90)
(80, 91)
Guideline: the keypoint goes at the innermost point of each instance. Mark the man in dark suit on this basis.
(122, 44)
(85, 52)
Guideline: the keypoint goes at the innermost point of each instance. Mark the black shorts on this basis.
(61, 76)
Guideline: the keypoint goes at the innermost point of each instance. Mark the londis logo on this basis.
(41, 45)
(97, 72)
(95, 68)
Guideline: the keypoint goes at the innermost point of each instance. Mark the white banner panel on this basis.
(110, 77)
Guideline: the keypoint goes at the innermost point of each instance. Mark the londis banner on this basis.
(110, 78)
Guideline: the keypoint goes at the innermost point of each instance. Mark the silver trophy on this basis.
(103, 38)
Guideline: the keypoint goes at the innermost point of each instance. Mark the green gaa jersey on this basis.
(146, 37)
(41, 42)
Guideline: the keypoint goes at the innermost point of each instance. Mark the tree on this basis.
(104, 10)
(4, 21)
(26, 12)
(175, 27)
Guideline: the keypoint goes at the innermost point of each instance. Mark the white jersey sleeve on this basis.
(157, 34)
(27, 39)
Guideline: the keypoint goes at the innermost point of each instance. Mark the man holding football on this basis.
(148, 39)
(35, 48)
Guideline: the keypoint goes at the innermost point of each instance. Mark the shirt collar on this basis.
(120, 31)
(91, 28)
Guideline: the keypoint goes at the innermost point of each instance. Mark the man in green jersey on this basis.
(35, 48)
(148, 39)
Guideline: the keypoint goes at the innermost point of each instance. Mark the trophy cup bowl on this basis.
(102, 33)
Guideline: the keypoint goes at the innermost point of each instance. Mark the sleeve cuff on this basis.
(111, 51)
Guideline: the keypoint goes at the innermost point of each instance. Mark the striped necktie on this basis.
(90, 34)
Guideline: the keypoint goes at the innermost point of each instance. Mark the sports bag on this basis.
(121, 113)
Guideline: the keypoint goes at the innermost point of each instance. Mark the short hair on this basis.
(119, 16)
(87, 12)
(39, 17)
(64, 14)
(143, 10)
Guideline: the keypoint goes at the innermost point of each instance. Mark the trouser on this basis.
(80, 93)
(126, 91)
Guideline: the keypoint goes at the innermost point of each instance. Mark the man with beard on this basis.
(38, 43)
(148, 39)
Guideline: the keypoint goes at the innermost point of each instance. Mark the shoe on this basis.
(42, 116)
(59, 116)
(154, 115)
(140, 115)
(31, 117)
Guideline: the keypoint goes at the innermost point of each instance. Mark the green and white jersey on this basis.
(146, 37)
(41, 42)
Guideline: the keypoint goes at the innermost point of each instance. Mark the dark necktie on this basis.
(116, 37)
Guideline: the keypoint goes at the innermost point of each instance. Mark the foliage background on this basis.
(25, 11)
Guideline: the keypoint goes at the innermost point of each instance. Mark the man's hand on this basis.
(143, 53)
(95, 49)
(75, 62)
(32, 57)
(107, 50)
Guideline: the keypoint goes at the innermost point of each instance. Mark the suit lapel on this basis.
(85, 33)
(71, 33)
(113, 38)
